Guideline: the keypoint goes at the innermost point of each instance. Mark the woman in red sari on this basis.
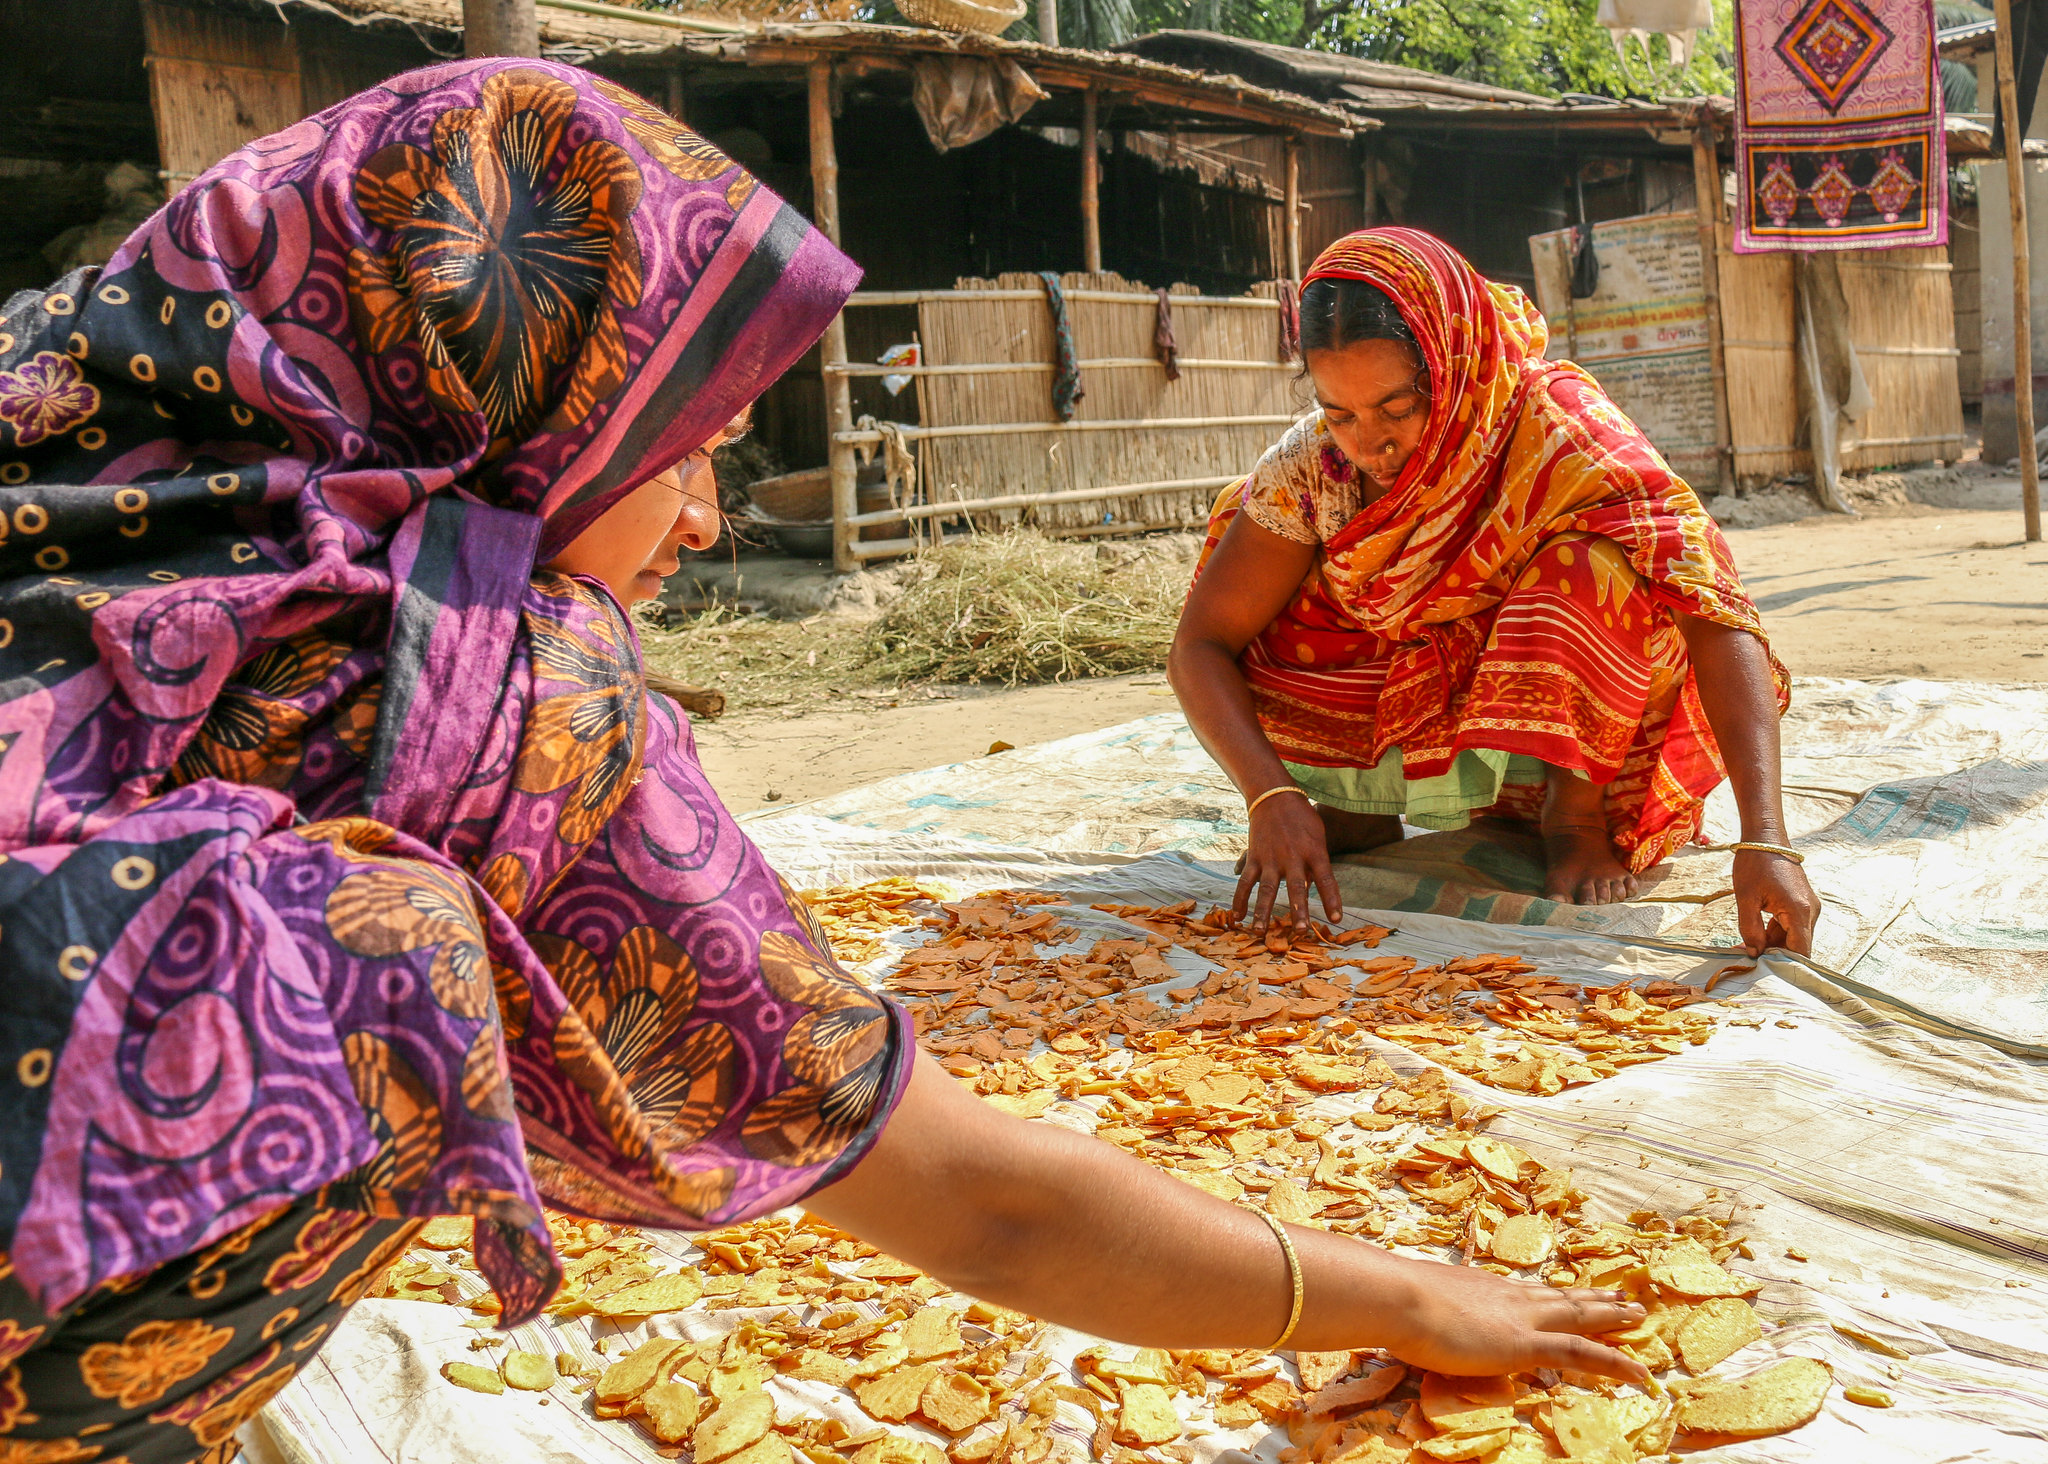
(1469, 585)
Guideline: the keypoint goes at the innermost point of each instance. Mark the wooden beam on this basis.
(838, 389)
(1127, 424)
(1706, 190)
(1201, 100)
(1291, 226)
(2022, 303)
(1114, 297)
(1099, 363)
(499, 28)
(1036, 500)
(1091, 187)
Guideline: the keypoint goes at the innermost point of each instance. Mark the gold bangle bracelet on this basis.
(1253, 806)
(1293, 1276)
(1792, 854)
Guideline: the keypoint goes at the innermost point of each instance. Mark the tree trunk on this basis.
(499, 28)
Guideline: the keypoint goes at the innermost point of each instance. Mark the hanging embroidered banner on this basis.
(1838, 126)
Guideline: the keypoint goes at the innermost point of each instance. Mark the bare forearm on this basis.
(1734, 674)
(1064, 1227)
(1218, 704)
(1041, 1219)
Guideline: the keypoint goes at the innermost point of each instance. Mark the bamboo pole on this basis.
(1121, 424)
(1118, 297)
(1048, 22)
(838, 388)
(1706, 188)
(499, 28)
(645, 17)
(2022, 303)
(1291, 228)
(1098, 363)
(953, 506)
(1091, 187)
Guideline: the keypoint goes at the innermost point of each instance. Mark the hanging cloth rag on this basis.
(1678, 21)
(1290, 320)
(899, 459)
(1585, 263)
(1163, 344)
(962, 99)
(1832, 388)
(1066, 361)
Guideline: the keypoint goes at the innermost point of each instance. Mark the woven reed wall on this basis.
(1756, 335)
(1902, 319)
(958, 332)
(1966, 291)
(1333, 187)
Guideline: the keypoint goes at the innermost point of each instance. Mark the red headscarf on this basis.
(1517, 449)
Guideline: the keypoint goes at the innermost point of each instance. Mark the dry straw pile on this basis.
(1019, 607)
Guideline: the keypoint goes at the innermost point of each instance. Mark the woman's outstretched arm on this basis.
(1046, 1221)
(1775, 906)
(1247, 582)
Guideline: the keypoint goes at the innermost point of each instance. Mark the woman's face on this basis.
(1375, 399)
(634, 546)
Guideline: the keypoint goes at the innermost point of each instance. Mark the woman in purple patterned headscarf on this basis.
(347, 874)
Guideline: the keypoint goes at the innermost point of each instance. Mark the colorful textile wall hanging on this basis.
(1838, 126)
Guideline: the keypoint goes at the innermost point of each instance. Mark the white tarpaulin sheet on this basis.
(1881, 1110)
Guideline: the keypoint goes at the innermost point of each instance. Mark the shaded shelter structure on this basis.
(1493, 171)
(1085, 165)
(959, 170)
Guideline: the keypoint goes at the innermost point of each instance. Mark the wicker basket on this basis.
(962, 15)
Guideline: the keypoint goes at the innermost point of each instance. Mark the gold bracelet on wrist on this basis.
(1293, 1276)
(1760, 848)
(1253, 806)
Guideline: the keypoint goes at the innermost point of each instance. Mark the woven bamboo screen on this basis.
(1122, 382)
(1902, 321)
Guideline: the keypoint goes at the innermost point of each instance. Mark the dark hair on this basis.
(1339, 313)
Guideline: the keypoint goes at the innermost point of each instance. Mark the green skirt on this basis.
(1446, 801)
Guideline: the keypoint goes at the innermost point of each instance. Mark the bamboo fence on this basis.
(1141, 452)
(1902, 322)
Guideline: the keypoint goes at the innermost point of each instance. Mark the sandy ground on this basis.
(1947, 594)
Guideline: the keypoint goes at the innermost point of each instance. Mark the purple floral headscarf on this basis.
(342, 852)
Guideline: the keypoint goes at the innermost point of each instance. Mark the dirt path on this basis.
(1922, 592)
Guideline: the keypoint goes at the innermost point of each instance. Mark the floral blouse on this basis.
(1303, 487)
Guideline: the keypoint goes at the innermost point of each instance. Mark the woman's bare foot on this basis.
(1580, 864)
(1354, 833)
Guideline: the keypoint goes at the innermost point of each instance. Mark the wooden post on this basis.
(2022, 303)
(1048, 22)
(838, 387)
(1706, 189)
(678, 96)
(499, 28)
(1091, 187)
(1291, 229)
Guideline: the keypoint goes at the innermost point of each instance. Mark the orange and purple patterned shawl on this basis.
(1517, 450)
(341, 850)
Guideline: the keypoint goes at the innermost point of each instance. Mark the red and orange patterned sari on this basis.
(1515, 589)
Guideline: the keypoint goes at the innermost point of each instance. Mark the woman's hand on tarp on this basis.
(1072, 1230)
(1289, 850)
(1468, 1322)
(1245, 584)
(1775, 907)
